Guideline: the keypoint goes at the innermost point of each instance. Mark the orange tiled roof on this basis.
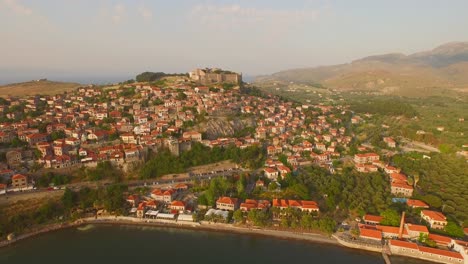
(437, 216)
(18, 176)
(398, 243)
(370, 233)
(417, 228)
(416, 203)
(441, 252)
(227, 200)
(373, 218)
(440, 239)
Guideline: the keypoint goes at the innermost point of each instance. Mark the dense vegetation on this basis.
(163, 162)
(152, 76)
(393, 107)
(443, 182)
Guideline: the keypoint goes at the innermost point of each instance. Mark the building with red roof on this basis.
(372, 219)
(413, 250)
(178, 206)
(416, 203)
(401, 189)
(370, 234)
(436, 219)
(414, 231)
(227, 203)
(19, 181)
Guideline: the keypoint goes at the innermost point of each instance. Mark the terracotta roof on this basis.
(398, 177)
(441, 252)
(227, 200)
(416, 203)
(403, 185)
(417, 228)
(440, 239)
(372, 218)
(18, 176)
(294, 203)
(178, 203)
(391, 229)
(404, 244)
(371, 233)
(437, 216)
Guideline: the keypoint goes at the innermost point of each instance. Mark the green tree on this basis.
(238, 216)
(390, 217)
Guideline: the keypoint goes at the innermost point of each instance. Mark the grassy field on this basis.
(36, 87)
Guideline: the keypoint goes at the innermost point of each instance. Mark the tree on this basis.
(68, 199)
(238, 216)
(57, 135)
(432, 200)
(149, 76)
(390, 217)
(454, 230)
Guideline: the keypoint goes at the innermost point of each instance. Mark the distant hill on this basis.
(36, 87)
(445, 67)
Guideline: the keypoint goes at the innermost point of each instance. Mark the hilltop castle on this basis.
(215, 75)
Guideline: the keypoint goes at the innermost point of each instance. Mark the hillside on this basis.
(36, 87)
(423, 73)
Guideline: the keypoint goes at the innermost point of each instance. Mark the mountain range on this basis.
(444, 67)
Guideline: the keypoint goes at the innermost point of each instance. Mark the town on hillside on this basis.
(207, 148)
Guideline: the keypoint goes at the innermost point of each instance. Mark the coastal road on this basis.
(165, 181)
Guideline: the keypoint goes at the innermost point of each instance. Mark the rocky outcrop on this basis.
(225, 127)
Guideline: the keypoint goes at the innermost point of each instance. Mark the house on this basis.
(309, 206)
(227, 203)
(19, 181)
(401, 189)
(132, 200)
(436, 219)
(271, 173)
(14, 158)
(390, 142)
(34, 138)
(128, 138)
(5, 137)
(372, 219)
(414, 231)
(178, 206)
(163, 195)
(283, 170)
(391, 169)
(250, 204)
(416, 203)
(193, 135)
(366, 158)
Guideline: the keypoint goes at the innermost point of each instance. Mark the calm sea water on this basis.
(129, 244)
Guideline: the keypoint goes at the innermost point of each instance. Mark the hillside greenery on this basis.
(164, 162)
(443, 182)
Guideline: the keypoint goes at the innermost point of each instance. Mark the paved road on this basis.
(44, 192)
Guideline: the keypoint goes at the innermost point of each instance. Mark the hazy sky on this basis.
(66, 39)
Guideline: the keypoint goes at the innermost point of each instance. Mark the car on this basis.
(50, 189)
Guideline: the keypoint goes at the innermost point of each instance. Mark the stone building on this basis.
(211, 76)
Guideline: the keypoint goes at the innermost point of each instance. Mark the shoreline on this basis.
(209, 227)
(195, 226)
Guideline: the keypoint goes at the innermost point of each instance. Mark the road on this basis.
(165, 181)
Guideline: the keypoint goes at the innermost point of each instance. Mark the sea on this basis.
(132, 244)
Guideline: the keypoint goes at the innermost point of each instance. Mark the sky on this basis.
(107, 40)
